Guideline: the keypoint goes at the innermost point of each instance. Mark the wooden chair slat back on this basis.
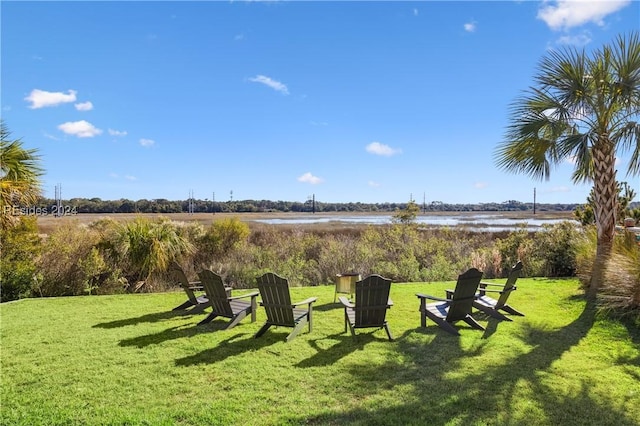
(464, 294)
(216, 293)
(372, 296)
(276, 300)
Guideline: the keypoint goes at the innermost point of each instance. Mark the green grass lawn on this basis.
(128, 359)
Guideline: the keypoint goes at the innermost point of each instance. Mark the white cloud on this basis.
(48, 136)
(274, 84)
(117, 132)
(309, 178)
(470, 27)
(239, 37)
(81, 129)
(42, 98)
(480, 185)
(565, 14)
(129, 177)
(147, 142)
(575, 40)
(84, 106)
(415, 12)
(378, 148)
(113, 175)
(373, 184)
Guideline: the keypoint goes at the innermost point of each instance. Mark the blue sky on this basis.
(347, 101)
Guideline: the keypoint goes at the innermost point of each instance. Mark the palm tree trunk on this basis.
(606, 197)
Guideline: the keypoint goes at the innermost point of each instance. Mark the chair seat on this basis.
(238, 306)
(438, 308)
(486, 300)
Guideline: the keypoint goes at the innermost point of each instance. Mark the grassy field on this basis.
(128, 359)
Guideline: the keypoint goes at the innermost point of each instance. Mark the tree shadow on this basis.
(235, 345)
(153, 317)
(446, 394)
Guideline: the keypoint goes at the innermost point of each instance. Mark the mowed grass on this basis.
(128, 359)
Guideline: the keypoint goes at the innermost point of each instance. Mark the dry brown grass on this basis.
(46, 224)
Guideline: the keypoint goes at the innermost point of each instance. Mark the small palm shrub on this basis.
(144, 250)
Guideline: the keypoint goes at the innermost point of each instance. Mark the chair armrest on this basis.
(389, 302)
(346, 302)
(195, 287)
(254, 294)
(308, 301)
(426, 296)
(484, 284)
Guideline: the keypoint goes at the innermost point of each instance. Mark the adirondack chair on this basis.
(491, 306)
(370, 307)
(223, 304)
(200, 302)
(276, 300)
(457, 307)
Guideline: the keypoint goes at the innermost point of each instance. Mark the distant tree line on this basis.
(161, 205)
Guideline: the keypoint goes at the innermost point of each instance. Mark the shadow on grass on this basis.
(345, 345)
(234, 345)
(328, 307)
(447, 394)
(154, 317)
(172, 333)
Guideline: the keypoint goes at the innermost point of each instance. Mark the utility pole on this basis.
(534, 200)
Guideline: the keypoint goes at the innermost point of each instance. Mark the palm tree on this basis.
(20, 173)
(584, 108)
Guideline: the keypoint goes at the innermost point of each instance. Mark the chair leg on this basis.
(512, 311)
(185, 305)
(296, 330)
(386, 328)
(260, 332)
(446, 326)
(472, 322)
(353, 331)
(235, 320)
(208, 319)
(199, 308)
(495, 314)
(423, 315)
(254, 308)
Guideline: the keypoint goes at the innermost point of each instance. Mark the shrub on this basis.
(620, 292)
(145, 249)
(70, 263)
(555, 248)
(222, 237)
(516, 246)
(20, 248)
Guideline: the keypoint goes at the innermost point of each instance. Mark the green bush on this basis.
(70, 264)
(556, 247)
(620, 292)
(20, 247)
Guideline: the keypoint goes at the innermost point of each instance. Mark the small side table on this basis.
(346, 283)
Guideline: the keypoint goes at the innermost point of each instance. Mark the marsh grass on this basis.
(128, 359)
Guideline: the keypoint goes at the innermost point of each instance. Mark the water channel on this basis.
(477, 222)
